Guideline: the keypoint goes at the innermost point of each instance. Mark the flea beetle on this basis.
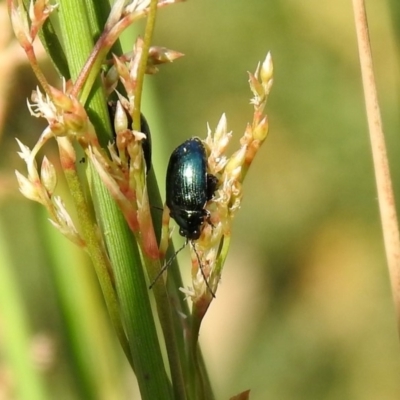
(189, 187)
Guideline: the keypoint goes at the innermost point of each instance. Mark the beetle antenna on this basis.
(167, 264)
(201, 269)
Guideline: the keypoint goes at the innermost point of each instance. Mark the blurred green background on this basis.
(304, 308)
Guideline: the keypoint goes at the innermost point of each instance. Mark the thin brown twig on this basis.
(382, 174)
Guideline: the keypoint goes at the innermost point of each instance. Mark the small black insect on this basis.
(144, 128)
(188, 188)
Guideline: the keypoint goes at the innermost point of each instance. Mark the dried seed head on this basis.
(20, 24)
(29, 158)
(136, 5)
(212, 246)
(160, 55)
(39, 11)
(115, 13)
(267, 70)
(64, 113)
(48, 176)
(61, 100)
(110, 80)
(122, 70)
(28, 189)
(261, 83)
(256, 87)
(42, 106)
(261, 130)
(120, 120)
(63, 222)
(217, 142)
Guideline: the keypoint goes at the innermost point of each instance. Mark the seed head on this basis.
(28, 188)
(212, 246)
(63, 222)
(39, 11)
(267, 70)
(48, 176)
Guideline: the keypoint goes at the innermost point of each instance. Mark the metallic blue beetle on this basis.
(189, 187)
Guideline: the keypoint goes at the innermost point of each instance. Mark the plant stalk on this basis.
(381, 165)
